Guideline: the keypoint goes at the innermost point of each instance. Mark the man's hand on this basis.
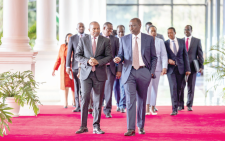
(78, 75)
(90, 62)
(188, 73)
(117, 60)
(171, 62)
(201, 70)
(118, 75)
(68, 71)
(164, 71)
(94, 61)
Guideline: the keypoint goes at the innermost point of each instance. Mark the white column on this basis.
(15, 26)
(67, 23)
(46, 26)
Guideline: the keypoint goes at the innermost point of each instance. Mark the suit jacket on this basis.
(160, 36)
(181, 58)
(161, 53)
(72, 46)
(103, 54)
(148, 54)
(195, 53)
(114, 41)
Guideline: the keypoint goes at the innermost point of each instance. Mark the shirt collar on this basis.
(92, 37)
(139, 36)
(188, 37)
(81, 34)
(175, 39)
(104, 35)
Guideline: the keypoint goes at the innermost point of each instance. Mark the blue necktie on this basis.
(174, 48)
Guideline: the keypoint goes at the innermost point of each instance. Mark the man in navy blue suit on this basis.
(178, 66)
(137, 50)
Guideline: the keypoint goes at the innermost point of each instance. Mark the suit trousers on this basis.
(76, 87)
(119, 94)
(153, 90)
(136, 88)
(175, 82)
(191, 90)
(108, 90)
(98, 93)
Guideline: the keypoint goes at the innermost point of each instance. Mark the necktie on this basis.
(80, 35)
(187, 44)
(135, 52)
(93, 49)
(174, 48)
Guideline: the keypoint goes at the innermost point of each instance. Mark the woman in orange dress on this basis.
(66, 81)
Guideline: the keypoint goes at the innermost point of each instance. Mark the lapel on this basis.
(77, 38)
(129, 44)
(90, 44)
(179, 44)
(99, 43)
(168, 44)
(192, 42)
(143, 41)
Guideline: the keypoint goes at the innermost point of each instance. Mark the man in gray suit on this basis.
(160, 36)
(194, 49)
(72, 46)
(112, 72)
(137, 50)
(93, 52)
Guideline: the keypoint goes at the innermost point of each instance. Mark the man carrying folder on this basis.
(196, 60)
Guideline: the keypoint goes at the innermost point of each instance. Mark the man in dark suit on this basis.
(194, 49)
(112, 72)
(93, 52)
(178, 66)
(72, 46)
(158, 35)
(137, 50)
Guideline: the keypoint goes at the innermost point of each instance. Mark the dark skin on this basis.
(147, 26)
(188, 33)
(94, 30)
(171, 34)
(120, 31)
(107, 30)
(80, 28)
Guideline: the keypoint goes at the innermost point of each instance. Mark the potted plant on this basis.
(5, 118)
(17, 89)
(216, 64)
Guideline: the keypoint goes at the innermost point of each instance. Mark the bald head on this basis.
(80, 28)
(94, 28)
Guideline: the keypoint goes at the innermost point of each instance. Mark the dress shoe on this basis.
(76, 110)
(129, 133)
(122, 110)
(108, 115)
(173, 113)
(90, 111)
(98, 131)
(65, 107)
(155, 109)
(190, 109)
(82, 130)
(152, 111)
(147, 113)
(118, 109)
(180, 108)
(141, 131)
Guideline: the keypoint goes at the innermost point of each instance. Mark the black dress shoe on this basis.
(98, 131)
(118, 109)
(155, 109)
(180, 108)
(90, 111)
(173, 113)
(108, 115)
(122, 110)
(82, 130)
(129, 133)
(141, 131)
(65, 107)
(76, 110)
(190, 109)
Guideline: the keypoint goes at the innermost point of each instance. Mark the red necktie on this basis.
(93, 49)
(187, 44)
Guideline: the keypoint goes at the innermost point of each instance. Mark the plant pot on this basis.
(10, 101)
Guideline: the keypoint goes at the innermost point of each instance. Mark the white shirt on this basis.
(141, 63)
(176, 43)
(81, 34)
(104, 35)
(189, 41)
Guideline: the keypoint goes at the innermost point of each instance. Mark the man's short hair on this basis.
(79, 23)
(190, 26)
(148, 23)
(92, 23)
(121, 26)
(136, 19)
(172, 28)
(106, 24)
(150, 27)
